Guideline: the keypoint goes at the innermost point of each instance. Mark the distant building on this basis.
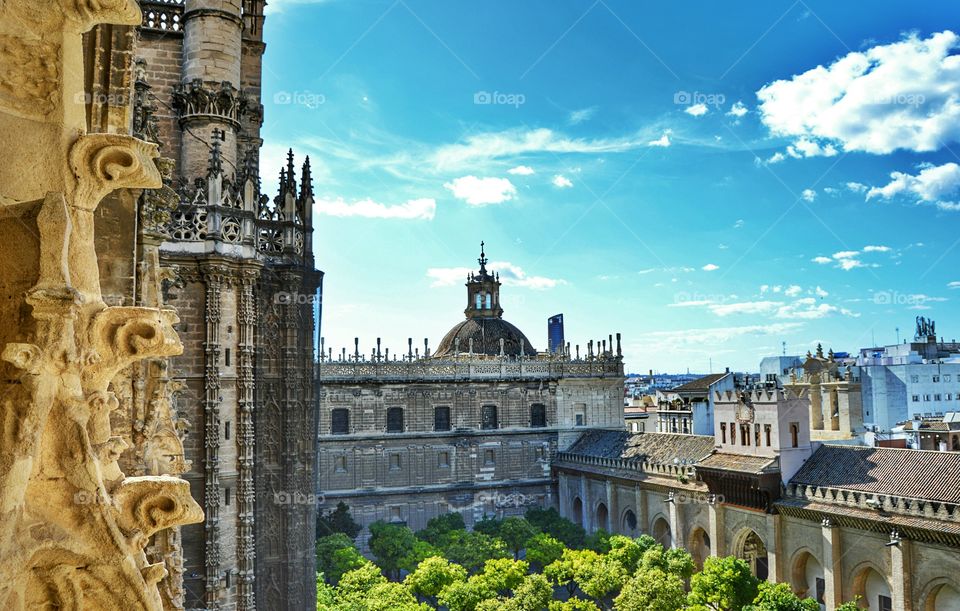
(688, 408)
(775, 370)
(836, 403)
(902, 381)
(637, 411)
(937, 434)
(555, 334)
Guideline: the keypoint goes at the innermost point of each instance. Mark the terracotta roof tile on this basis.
(740, 462)
(657, 448)
(910, 473)
(700, 384)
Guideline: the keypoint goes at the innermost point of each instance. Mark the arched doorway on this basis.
(629, 522)
(699, 546)
(873, 590)
(578, 511)
(942, 597)
(603, 517)
(661, 532)
(807, 577)
(753, 551)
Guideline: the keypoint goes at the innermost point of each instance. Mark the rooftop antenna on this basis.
(898, 335)
(784, 348)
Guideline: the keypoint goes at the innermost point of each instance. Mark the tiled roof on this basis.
(926, 425)
(700, 384)
(739, 462)
(657, 448)
(891, 471)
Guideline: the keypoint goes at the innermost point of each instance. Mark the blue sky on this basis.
(710, 179)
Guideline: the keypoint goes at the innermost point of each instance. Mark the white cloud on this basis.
(521, 170)
(848, 264)
(937, 185)
(510, 275)
(846, 254)
(479, 191)
(903, 95)
(744, 307)
(715, 336)
(876, 248)
(561, 182)
(857, 187)
(819, 292)
(738, 109)
(424, 208)
(710, 267)
(804, 147)
(663, 140)
(738, 224)
(696, 110)
(822, 260)
(776, 158)
(793, 290)
(953, 285)
(808, 195)
(496, 145)
(579, 116)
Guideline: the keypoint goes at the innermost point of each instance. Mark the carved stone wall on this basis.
(73, 526)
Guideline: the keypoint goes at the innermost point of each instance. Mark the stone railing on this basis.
(885, 503)
(428, 369)
(162, 15)
(626, 464)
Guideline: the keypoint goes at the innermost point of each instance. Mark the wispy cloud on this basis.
(521, 170)
(579, 116)
(423, 209)
(510, 275)
(937, 185)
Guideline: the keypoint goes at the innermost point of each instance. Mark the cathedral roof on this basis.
(486, 334)
(655, 448)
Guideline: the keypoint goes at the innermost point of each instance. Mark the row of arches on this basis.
(806, 571)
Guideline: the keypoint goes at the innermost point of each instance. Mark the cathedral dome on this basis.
(484, 324)
(486, 334)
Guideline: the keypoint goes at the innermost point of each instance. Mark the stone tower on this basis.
(242, 278)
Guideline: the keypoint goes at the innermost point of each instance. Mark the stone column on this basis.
(716, 516)
(213, 584)
(676, 523)
(246, 318)
(832, 567)
(613, 511)
(585, 503)
(643, 516)
(901, 586)
(774, 557)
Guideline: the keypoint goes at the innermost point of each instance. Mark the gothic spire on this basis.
(291, 175)
(306, 180)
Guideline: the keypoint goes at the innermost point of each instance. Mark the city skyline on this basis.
(709, 195)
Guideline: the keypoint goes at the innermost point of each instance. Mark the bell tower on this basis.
(483, 291)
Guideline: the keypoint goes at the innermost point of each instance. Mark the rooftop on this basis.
(701, 384)
(918, 474)
(658, 448)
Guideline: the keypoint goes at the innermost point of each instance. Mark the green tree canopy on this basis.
(390, 544)
(338, 520)
(489, 525)
(471, 550)
(437, 528)
(724, 584)
(573, 604)
(551, 522)
(434, 574)
(515, 532)
(780, 597)
(543, 549)
(337, 555)
(652, 590)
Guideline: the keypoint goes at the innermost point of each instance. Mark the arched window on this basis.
(340, 421)
(488, 417)
(629, 521)
(488, 301)
(795, 435)
(395, 420)
(538, 415)
(441, 418)
(479, 301)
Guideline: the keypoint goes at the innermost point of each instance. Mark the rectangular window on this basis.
(340, 466)
(443, 460)
(936, 397)
(395, 420)
(733, 434)
(946, 377)
(226, 357)
(226, 496)
(488, 417)
(915, 379)
(226, 430)
(395, 514)
(936, 378)
(756, 435)
(723, 432)
(916, 398)
(884, 603)
(441, 418)
(489, 458)
(766, 432)
(579, 421)
(395, 462)
(340, 421)
(926, 397)
(821, 590)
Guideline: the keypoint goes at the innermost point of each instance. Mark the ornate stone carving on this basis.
(199, 99)
(73, 528)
